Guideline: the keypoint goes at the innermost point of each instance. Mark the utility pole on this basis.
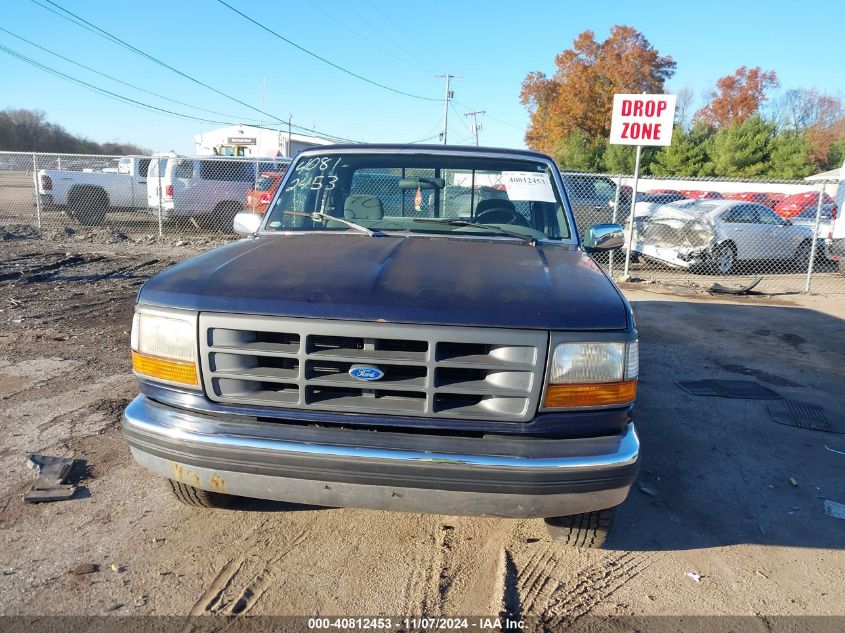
(287, 149)
(449, 95)
(475, 128)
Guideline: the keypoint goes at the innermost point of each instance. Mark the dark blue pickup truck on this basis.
(415, 328)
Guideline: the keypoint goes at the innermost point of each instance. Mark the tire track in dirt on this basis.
(487, 567)
(438, 577)
(561, 604)
(242, 581)
(414, 594)
(211, 597)
(261, 580)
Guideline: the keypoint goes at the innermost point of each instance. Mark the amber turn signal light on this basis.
(600, 394)
(170, 370)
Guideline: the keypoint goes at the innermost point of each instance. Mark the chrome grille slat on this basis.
(429, 371)
(364, 357)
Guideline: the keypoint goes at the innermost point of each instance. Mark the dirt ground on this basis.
(727, 517)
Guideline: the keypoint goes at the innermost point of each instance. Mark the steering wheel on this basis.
(502, 215)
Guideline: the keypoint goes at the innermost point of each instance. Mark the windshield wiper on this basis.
(319, 215)
(479, 225)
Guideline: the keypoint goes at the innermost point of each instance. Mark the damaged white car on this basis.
(718, 235)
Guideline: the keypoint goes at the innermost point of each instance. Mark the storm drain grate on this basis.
(744, 389)
(804, 415)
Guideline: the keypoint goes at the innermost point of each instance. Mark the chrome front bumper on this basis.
(483, 476)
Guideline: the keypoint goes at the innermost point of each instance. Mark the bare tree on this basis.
(802, 108)
(684, 107)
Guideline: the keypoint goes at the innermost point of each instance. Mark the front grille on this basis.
(429, 371)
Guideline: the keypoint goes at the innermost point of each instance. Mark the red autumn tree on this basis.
(737, 96)
(821, 115)
(579, 96)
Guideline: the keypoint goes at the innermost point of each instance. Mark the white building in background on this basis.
(246, 140)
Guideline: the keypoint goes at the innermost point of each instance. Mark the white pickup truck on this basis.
(87, 195)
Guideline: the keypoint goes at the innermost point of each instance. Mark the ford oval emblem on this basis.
(365, 372)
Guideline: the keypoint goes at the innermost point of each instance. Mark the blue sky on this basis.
(492, 44)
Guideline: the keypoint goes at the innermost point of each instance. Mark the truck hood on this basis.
(399, 279)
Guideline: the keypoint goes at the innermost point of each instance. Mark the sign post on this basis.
(640, 120)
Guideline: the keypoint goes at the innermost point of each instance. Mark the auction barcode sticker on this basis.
(528, 185)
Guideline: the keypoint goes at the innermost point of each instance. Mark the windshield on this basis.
(399, 192)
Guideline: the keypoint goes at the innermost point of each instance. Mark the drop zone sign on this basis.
(642, 119)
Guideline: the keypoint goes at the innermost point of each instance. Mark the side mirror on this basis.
(247, 223)
(604, 237)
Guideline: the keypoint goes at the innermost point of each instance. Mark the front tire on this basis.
(224, 216)
(801, 259)
(198, 498)
(724, 259)
(587, 530)
(88, 206)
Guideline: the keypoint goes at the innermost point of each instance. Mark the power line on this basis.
(103, 91)
(119, 97)
(82, 22)
(423, 140)
(407, 33)
(138, 51)
(362, 36)
(492, 118)
(428, 135)
(322, 59)
(458, 114)
(368, 22)
(120, 81)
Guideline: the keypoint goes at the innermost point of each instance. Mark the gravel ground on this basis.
(727, 518)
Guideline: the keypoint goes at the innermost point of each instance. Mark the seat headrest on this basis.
(363, 207)
(493, 203)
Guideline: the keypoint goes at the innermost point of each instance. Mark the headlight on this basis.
(164, 346)
(593, 374)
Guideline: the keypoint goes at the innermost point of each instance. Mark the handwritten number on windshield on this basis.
(320, 181)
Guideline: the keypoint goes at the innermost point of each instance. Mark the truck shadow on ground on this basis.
(719, 471)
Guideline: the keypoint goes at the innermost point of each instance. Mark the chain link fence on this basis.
(698, 232)
(139, 196)
(684, 231)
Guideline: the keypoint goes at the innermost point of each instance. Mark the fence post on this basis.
(37, 197)
(160, 194)
(633, 205)
(615, 217)
(815, 239)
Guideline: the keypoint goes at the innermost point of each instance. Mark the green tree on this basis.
(576, 152)
(620, 159)
(743, 149)
(836, 154)
(792, 155)
(687, 155)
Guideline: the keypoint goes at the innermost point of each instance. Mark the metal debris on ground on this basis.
(743, 389)
(803, 415)
(645, 489)
(725, 290)
(833, 509)
(83, 569)
(52, 476)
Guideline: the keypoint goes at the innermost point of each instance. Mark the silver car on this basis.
(718, 235)
(808, 218)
